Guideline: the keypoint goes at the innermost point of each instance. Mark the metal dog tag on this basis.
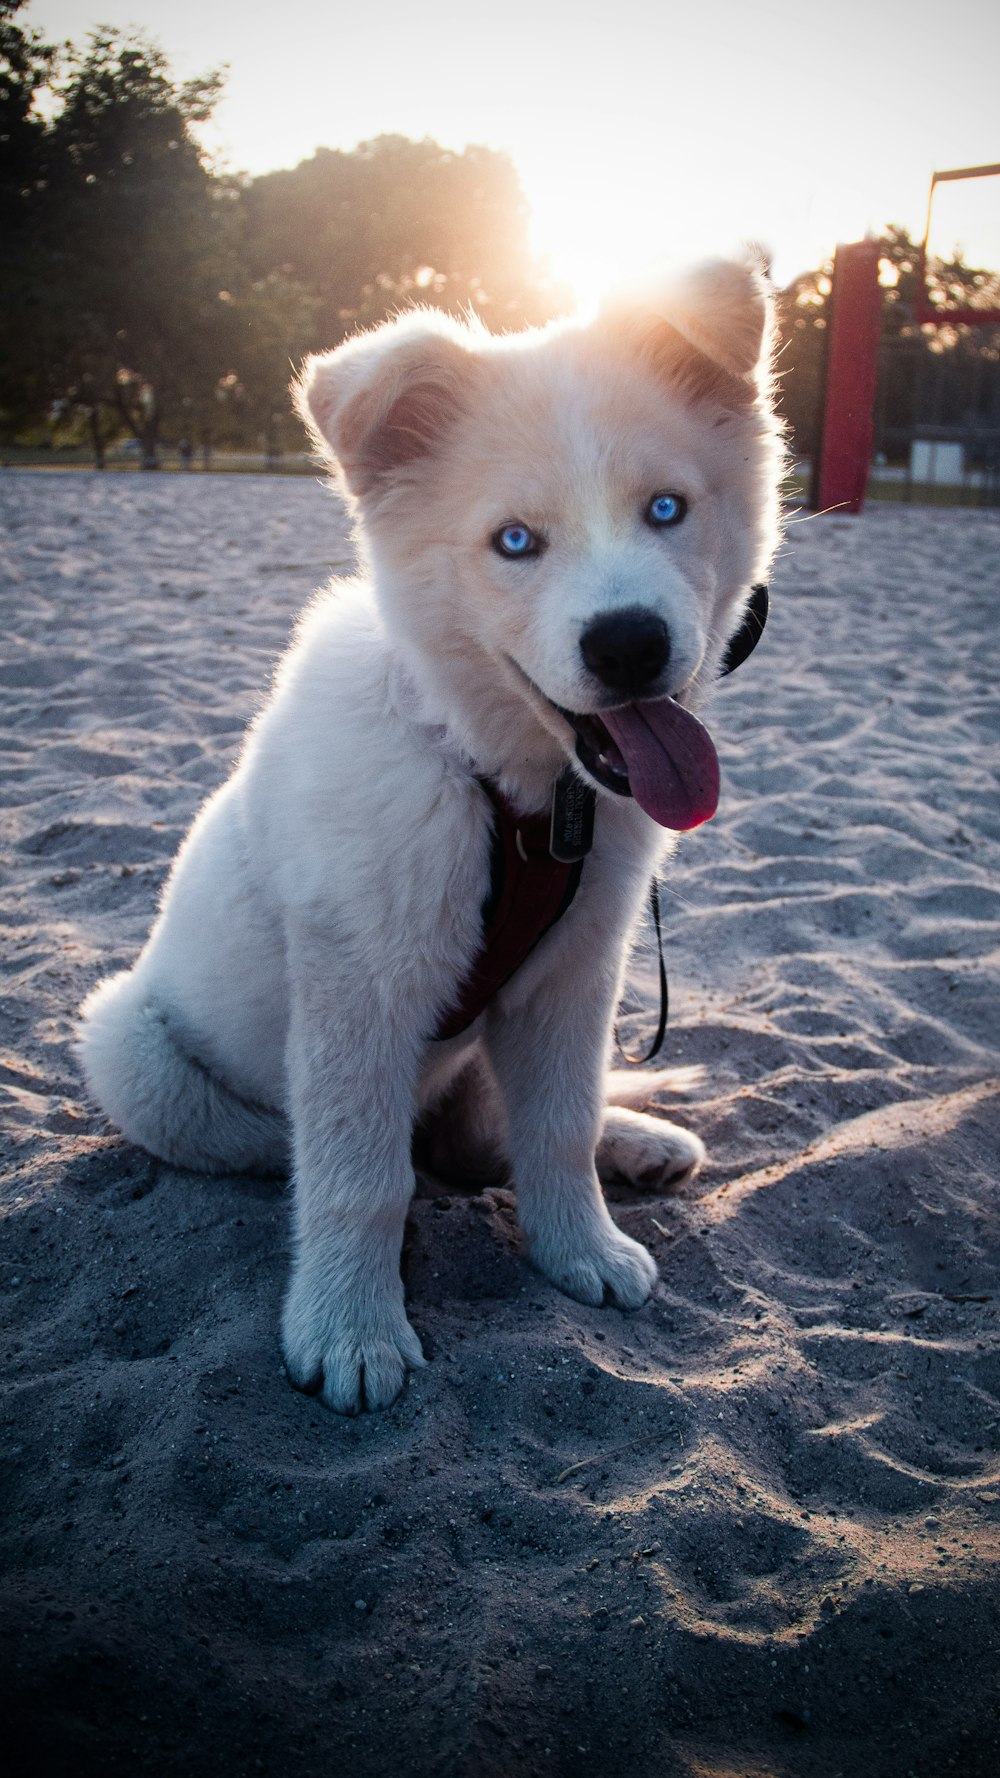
(573, 803)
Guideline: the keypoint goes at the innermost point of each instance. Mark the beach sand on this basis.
(751, 1531)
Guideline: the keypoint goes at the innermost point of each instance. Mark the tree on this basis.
(395, 222)
(803, 318)
(145, 292)
(143, 234)
(277, 322)
(26, 66)
(116, 297)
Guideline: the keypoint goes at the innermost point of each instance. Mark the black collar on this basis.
(749, 633)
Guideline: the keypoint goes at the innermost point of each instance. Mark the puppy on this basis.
(559, 532)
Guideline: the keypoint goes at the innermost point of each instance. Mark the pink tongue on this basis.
(672, 765)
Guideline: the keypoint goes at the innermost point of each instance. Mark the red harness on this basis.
(529, 891)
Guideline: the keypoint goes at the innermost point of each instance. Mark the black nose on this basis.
(627, 650)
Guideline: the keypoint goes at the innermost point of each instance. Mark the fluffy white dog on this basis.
(560, 530)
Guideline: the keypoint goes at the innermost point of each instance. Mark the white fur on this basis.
(325, 907)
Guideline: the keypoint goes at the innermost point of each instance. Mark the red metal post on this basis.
(851, 374)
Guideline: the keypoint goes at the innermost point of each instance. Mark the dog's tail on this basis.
(165, 1099)
(638, 1087)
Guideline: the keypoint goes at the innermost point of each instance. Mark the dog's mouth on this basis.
(655, 751)
(599, 755)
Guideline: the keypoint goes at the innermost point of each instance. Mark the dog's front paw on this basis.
(647, 1152)
(352, 1355)
(602, 1265)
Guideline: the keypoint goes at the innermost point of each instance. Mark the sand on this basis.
(750, 1532)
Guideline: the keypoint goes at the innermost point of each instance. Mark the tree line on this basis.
(145, 294)
(142, 292)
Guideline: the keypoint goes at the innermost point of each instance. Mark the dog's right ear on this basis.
(384, 399)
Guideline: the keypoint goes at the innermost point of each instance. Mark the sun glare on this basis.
(604, 225)
(613, 212)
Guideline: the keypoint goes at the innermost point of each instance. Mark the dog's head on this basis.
(572, 516)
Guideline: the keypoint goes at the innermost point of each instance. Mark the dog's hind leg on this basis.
(646, 1151)
(163, 1098)
(461, 1137)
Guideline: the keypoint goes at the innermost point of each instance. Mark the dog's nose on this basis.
(627, 650)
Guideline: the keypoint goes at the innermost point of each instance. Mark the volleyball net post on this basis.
(840, 469)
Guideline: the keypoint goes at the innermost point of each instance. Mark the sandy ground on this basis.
(750, 1532)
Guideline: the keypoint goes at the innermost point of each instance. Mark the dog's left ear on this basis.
(384, 399)
(709, 333)
(723, 309)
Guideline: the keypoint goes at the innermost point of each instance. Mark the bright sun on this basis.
(604, 225)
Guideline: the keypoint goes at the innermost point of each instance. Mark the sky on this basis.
(644, 131)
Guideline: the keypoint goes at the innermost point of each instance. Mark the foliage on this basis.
(26, 64)
(395, 222)
(114, 278)
(145, 292)
(25, 67)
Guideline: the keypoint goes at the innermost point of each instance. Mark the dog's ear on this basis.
(723, 309)
(384, 399)
(709, 333)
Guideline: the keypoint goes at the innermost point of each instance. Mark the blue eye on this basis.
(666, 509)
(515, 540)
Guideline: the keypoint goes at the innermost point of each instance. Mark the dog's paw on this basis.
(647, 1151)
(605, 1265)
(353, 1357)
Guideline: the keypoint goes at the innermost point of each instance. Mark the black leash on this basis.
(661, 1029)
(741, 645)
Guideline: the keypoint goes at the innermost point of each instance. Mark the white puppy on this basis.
(560, 530)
